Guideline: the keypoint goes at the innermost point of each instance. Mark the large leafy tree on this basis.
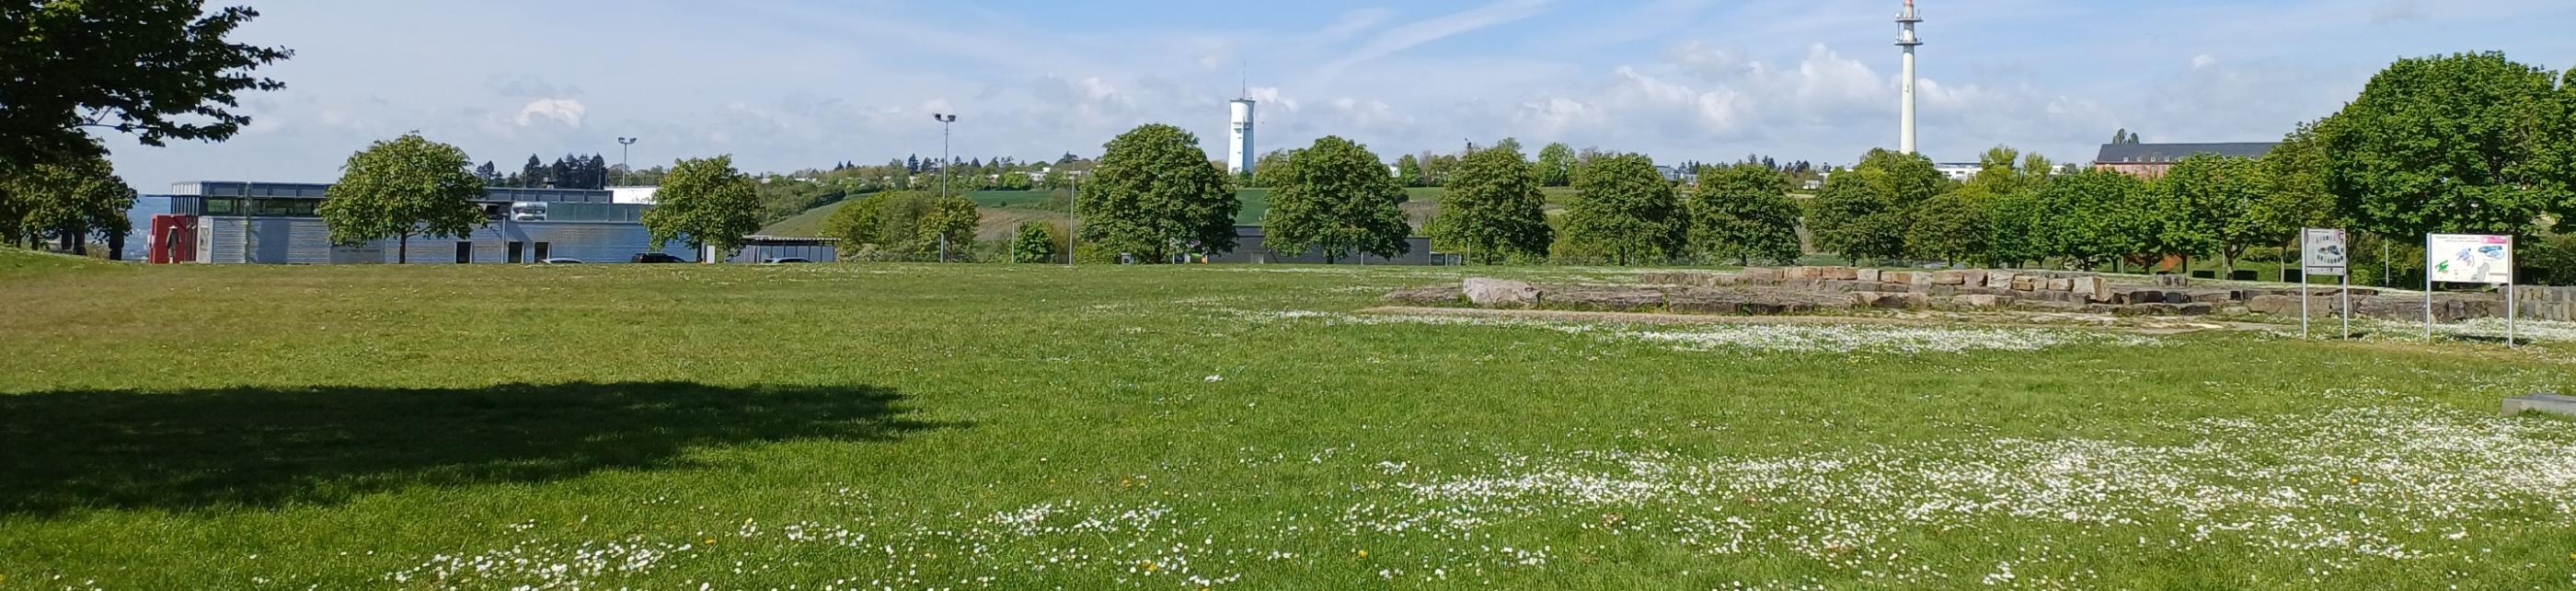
(2004, 192)
(1337, 198)
(1949, 227)
(1493, 208)
(1408, 170)
(159, 70)
(71, 202)
(2093, 217)
(2208, 203)
(950, 227)
(1866, 211)
(2293, 194)
(1155, 195)
(2471, 143)
(1271, 171)
(408, 186)
(1625, 209)
(1743, 212)
(707, 203)
(1556, 165)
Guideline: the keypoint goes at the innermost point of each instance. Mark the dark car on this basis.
(655, 258)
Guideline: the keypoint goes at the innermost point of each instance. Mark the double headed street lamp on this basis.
(944, 160)
(623, 145)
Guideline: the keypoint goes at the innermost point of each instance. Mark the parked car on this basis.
(655, 258)
(788, 261)
(560, 261)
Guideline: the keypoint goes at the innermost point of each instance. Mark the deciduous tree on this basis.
(1625, 209)
(1494, 209)
(159, 70)
(707, 203)
(2468, 143)
(398, 189)
(1338, 198)
(1035, 243)
(1743, 212)
(70, 203)
(1556, 165)
(1155, 195)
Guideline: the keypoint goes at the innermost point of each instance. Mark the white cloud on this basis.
(567, 112)
(2203, 61)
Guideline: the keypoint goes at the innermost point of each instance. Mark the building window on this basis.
(514, 253)
(542, 247)
(215, 206)
(464, 253)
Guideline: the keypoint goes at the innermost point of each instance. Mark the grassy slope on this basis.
(16, 263)
(924, 426)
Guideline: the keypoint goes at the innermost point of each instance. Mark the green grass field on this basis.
(1042, 427)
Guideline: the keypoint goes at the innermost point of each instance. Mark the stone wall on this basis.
(2066, 291)
(1970, 288)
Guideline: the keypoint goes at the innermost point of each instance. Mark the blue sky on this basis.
(783, 85)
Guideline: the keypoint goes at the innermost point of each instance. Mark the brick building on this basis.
(2150, 161)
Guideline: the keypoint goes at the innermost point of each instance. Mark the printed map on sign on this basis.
(2456, 258)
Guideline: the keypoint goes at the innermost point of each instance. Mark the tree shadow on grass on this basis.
(268, 447)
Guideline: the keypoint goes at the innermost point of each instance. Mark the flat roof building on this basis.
(2151, 161)
(280, 223)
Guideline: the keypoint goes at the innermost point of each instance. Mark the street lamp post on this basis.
(944, 160)
(623, 152)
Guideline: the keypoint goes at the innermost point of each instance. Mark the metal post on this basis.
(2347, 304)
(2512, 309)
(2303, 286)
(1073, 216)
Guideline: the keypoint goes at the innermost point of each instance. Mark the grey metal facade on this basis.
(305, 241)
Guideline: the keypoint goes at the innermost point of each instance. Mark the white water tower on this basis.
(1238, 148)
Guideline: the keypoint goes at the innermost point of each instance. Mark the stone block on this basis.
(2236, 311)
(2090, 288)
(1761, 274)
(2213, 297)
(2061, 285)
(2544, 403)
(1806, 272)
(1841, 274)
(1921, 279)
(1892, 301)
(1949, 278)
(1500, 293)
(1974, 278)
(2028, 283)
(1870, 275)
(2143, 296)
(1896, 277)
(1980, 302)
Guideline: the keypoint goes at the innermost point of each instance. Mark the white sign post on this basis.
(2462, 258)
(2325, 251)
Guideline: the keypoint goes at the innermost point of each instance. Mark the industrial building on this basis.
(278, 223)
